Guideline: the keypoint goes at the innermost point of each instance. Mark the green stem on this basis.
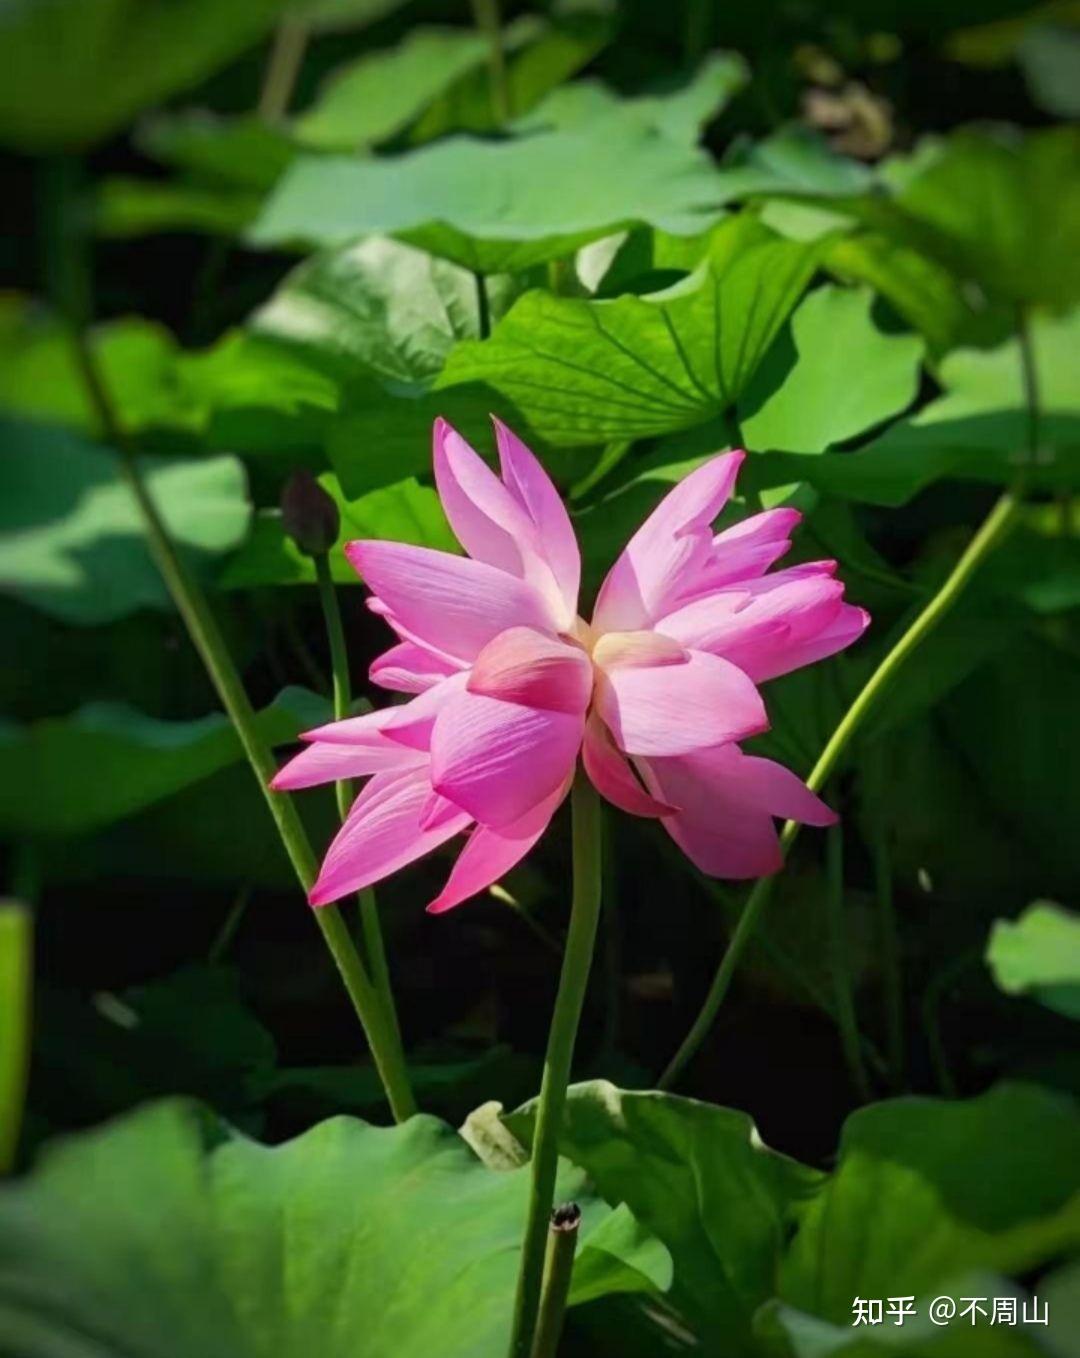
(840, 962)
(611, 925)
(282, 70)
(205, 635)
(558, 1271)
(933, 996)
(342, 690)
(610, 457)
(1029, 375)
(577, 959)
(483, 306)
(989, 534)
(16, 973)
(229, 926)
(339, 662)
(888, 932)
(486, 15)
(993, 529)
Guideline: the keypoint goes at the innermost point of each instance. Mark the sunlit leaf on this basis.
(380, 93)
(496, 207)
(1039, 955)
(700, 1179)
(584, 371)
(206, 1242)
(793, 160)
(847, 376)
(680, 115)
(539, 55)
(73, 542)
(151, 381)
(380, 305)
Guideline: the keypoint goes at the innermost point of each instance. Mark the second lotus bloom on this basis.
(511, 684)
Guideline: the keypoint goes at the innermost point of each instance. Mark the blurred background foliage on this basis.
(296, 232)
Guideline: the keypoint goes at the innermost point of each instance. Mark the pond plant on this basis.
(694, 397)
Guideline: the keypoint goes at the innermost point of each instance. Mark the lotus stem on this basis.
(16, 973)
(282, 69)
(558, 1271)
(205, 635)
(342, 691)
(997, 524)
(577, 960)
(488, 21)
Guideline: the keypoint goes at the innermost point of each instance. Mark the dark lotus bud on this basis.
(308, 514)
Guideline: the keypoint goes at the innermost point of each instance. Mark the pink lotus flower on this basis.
(512, 685)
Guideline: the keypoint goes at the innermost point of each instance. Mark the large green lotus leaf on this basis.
(437, 80)
(69, 774)
(592, 371)
(496, 206)
(378, 305)
(934, 301)
(1050, 59)
(794, 160)
(699, 1178)
(980, 380)
(907, 458)
(998, 208)
(680, 114)
(244, 152)
(380, 93)
(402, 512)
(126, 207)
(786, 1330)
(847, 376)
(151, 381)
(77, 70)
(39, 376)
(926, 1190)
(226, 166)
(397, 1240)
(1038, 954)
(977, 429)
(539, 56)
(71, 537)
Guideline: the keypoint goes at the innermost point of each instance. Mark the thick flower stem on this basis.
(558, 1272)
(342, 691)
(993, 529)
(577, 960)
(206, 637)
